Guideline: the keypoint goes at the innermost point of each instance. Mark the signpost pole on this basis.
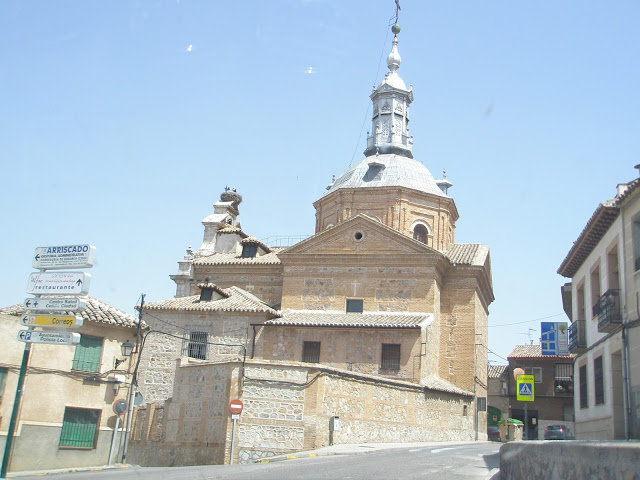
(113, 440)
(14, 414)
(526, 421)
(233, 438)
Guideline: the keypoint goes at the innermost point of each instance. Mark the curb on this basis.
(41, 473)
(287, 457)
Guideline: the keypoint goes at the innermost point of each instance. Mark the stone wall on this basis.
(287, 408)
(569, 460)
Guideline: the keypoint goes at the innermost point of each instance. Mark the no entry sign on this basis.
(235, 406)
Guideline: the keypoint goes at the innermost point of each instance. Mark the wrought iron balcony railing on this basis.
(577, 337)
(607, 310)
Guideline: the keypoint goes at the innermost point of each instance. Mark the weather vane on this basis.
(397, 9)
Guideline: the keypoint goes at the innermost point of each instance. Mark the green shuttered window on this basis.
(88, 353)
(79, 428)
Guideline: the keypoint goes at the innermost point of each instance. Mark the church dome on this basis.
(388, 170)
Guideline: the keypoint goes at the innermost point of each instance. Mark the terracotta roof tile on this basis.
(319, 318)
(235, 259)
(531, 351)
(96, 311)
(467, 254)
(238, 300)
(497, 371)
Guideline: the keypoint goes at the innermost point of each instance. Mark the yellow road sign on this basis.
(67, 321)
(525, 391)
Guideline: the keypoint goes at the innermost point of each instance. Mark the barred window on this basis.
(196, 347)
(79, 428)
(311, 352)
(563, 378)
(87, 355)
(390, 356)
(598, 375)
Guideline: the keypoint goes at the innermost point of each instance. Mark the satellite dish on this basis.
(137, 399)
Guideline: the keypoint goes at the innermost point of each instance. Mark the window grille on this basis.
(563, 378)
(598, 375)
(79, 428)
(87, 355)
(311, 352)
(196, 347)
(355, 306)
(390, 356)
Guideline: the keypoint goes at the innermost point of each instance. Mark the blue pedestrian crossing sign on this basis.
(525, 384)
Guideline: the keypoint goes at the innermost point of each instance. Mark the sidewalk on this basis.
(67, 470)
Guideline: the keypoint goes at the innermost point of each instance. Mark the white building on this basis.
(603, 303)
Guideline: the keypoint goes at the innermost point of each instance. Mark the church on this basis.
(374, 329)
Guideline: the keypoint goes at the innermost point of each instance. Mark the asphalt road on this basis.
(469, 461)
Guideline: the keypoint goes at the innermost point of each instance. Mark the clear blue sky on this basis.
(113, 133)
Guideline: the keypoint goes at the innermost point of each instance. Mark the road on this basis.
(469, 461)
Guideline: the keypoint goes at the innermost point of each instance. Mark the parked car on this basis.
(558, 432)
(493, 434)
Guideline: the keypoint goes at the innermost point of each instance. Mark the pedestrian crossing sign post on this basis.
(525, 384)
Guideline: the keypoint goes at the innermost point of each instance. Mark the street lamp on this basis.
(127, 350)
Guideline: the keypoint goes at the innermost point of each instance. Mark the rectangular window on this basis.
(79, 428)
(197, 345)
(598, 376)
(390, 356)
(249, 251)
(636, 242)
(584, 397)
(563, 378)
(536, 372)
(355, 306)
(87, 354)
(311, 352)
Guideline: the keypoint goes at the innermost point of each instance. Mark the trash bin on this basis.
(510, 430)
(515, 432)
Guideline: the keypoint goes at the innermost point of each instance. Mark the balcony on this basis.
(578, 337)
(607, 311)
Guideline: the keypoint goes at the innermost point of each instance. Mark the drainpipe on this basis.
(625, 341)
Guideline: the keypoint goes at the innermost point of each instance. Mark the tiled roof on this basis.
(497, 371)
(319, 318)
(96, 311)
(213, 287)
(436, 383)
(531, 351)
(467, 254)
(599, 223)
(235, 259)
(233, 229)
(239, 300)
(255, 241)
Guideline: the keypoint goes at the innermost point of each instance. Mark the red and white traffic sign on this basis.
(235, 406)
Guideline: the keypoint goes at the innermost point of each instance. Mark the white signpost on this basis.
(58, 338)
(55, 304)
(62, 283)
(64, 321)
(64, 256)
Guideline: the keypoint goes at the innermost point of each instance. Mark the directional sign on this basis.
(64, 256)
(65, 321)
(58, 338)
(63, 283)
(525, 384)
(55, 304)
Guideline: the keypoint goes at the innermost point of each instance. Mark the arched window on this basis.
(420, 233)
